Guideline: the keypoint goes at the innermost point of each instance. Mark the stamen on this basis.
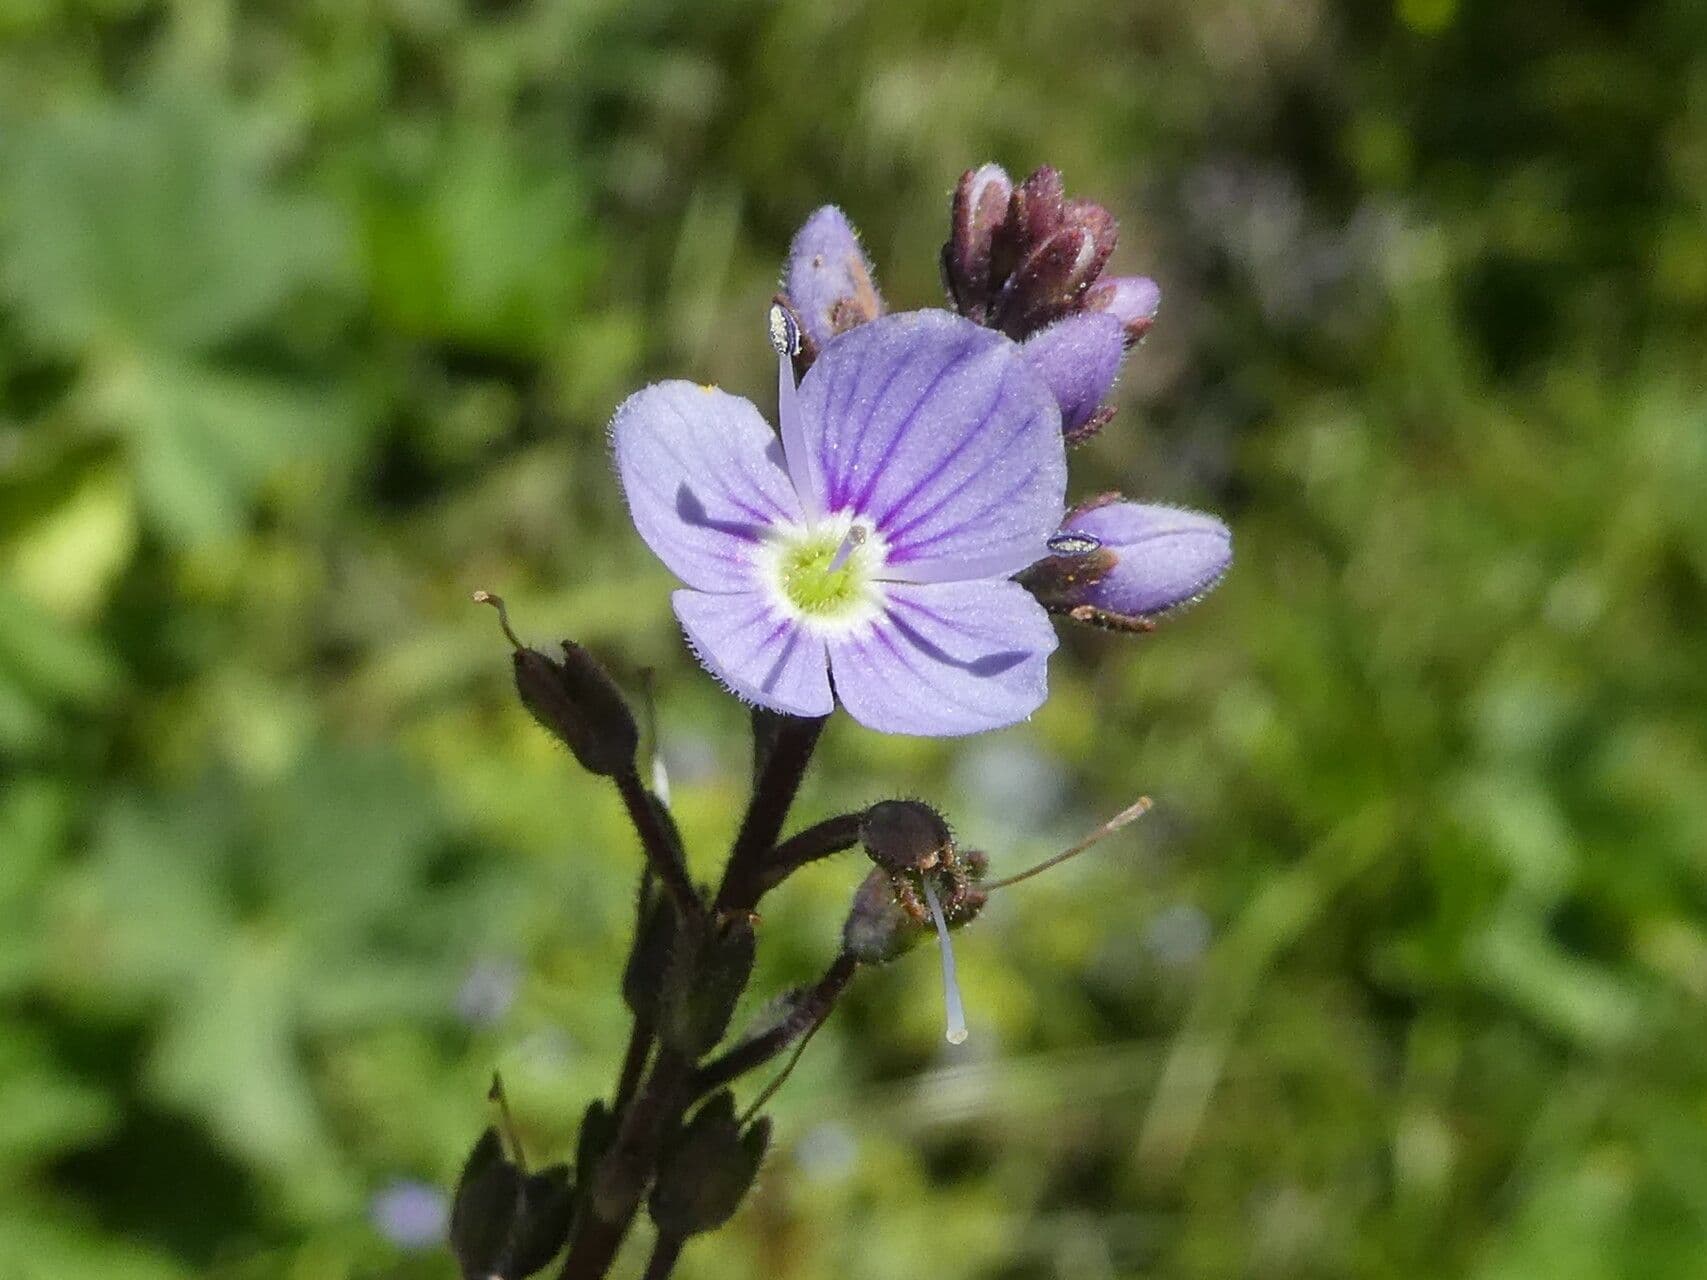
(785, 339)
(1072, 543)
(785, 332)
(1133, 811)
(956, 1031)
(856, 536)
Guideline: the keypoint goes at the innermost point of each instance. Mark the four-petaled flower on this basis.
(920, 465)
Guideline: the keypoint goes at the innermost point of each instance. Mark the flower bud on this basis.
(878, 930)
(704, 982)
(828, 279)
(1079, 358)
(1150, 560)
(904, 835)
(649, 958)
(707, 1169)
(981, 201)
(1036, 213)
(1054, 275)
(1133, 300)
(575, 700)
(598, 1131)
(505, 1223)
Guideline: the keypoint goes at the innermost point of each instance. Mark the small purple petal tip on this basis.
(828, 278)
(1164, 557)
(1133, 300)
(1079, 358)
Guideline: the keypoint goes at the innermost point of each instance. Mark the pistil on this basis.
(955, 1033)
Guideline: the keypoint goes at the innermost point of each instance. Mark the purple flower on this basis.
(1079, 358)
(920, 464)
(1133, 560)
(828, 279)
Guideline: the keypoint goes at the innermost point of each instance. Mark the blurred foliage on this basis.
(311, 318)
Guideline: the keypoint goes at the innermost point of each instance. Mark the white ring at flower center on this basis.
(827, 538)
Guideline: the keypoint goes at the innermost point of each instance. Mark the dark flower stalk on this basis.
(896, 548)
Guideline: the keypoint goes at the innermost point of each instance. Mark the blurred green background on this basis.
(312, 314)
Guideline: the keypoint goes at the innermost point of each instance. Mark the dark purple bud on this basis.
(649, 957)
(575, 700)
(828, 279)
(981, 203)
(1133, 300)
(905, 835)
(1152, 559)
(878, 929)
(1079, 358)
(1052, 279)
(598, 1131)
(505, 1222)
(1039, 206)
(707, 1169)
(704, 982)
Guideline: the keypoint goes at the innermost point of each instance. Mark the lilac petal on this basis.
(828, 278)
(1132, 300)
(1079, 358)
(945, 659)
(1164, 556)
(941, 434)
(704, 478)
(761, 654)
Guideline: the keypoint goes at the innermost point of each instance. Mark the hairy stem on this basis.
(662, 845)
(791, 740)
(665, 1253)
(633, 1062)
(813, 1008)
(593, 1247)
(822, 840)
(608, 1208)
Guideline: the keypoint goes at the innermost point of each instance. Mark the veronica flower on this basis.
(864, 555)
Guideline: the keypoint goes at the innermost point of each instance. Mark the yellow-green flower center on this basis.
(822, 576)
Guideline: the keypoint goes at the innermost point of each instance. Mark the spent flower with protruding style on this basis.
(920, 465)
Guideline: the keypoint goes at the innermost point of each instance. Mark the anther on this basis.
(784, 331)
(1071, 543)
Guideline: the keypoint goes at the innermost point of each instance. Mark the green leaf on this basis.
(205, 440)
(155, 225)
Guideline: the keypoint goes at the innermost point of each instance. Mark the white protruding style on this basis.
(955, 1033)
